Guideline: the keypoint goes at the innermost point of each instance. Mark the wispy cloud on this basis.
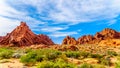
(111, 22)
(53, 29)
(6, 25)
(62, 34)
(40, 12)
(63, 11)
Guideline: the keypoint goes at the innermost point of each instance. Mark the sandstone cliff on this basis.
(69, 40)
(23, 36)
(105, 34)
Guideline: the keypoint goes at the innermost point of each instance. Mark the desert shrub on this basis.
(45, 64)
(29, 59)
(84, 54)
(112, 53)
(105, 61)
(72, 54)
(40, 58)
(40, 55)
(98, 56)
(85, 65)
(18, 53)
(117, 65)
(53, 55)
(5, 53)
(59, 63)
(63, 56)
(28, 50)
(98, 66)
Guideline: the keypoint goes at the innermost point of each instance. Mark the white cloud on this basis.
(111, 22)
(7, 25)
(10, 18)
(62, 34)
(53, 29)
(75, 11)
(61, 11)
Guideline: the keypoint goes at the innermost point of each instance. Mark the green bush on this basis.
(53, 55)
(117, 65)
(84, 54)
(72, 54)
(98, 66)
(105, 61)
(40, 55)
(112, 53)
(85, 65)
(45, 64)
(29, 59)
(98, 56)
(6, 53)
(59, 63)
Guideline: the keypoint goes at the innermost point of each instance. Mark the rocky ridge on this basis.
(105, 34)
(23, 36)
(1, 37)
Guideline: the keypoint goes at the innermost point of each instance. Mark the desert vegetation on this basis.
(85, 56)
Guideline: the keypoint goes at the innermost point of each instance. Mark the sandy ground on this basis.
(12, 63)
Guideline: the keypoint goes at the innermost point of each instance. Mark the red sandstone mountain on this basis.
(1, 37)
(23, 36)
(85, 39)
(69, 40)
(107, 34)
(99, 36)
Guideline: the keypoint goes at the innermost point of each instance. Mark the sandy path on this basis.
(11, 63)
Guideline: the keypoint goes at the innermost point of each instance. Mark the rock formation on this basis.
(45, 39)
(23, 36)
(69, 40)
(85, 39)
(99, 36)
(1, 38)
(107, 34)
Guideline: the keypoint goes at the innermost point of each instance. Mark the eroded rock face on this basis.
(23, 36)
(85, 39)
(45, 39)
(69, 40)
(107, 34)
(99, 36)
(1, 38)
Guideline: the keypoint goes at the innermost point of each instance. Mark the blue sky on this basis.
(59, 18)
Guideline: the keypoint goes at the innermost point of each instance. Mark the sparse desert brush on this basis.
(98, 66)
(112, 53)
(59, 63)
(40, 55)
(63, 56)
(18, 53)
(117, 64)
(85, 65)
(72, 54)
(29, 59)
(105, 61)
(98, 56)
(5, 53)
(84, 54)
(45, 64)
